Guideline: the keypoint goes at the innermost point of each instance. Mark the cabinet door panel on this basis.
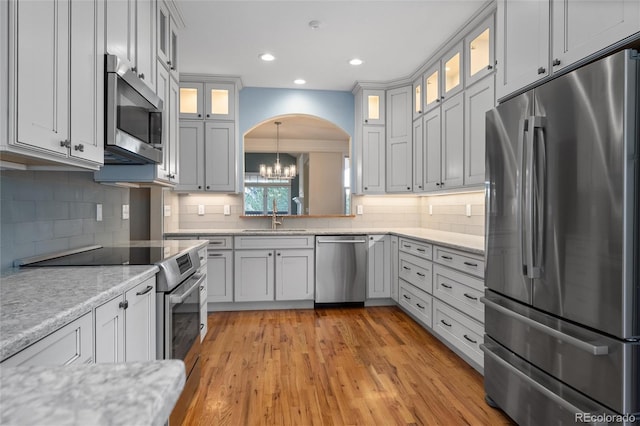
(373, 160)
(379, 267)
(220, 156)
(453, 141)
(42, 67)
(219, 101)
(398, 146)
(145, 41)
(220, 276)
(191, 153)
(581, 28)
(418, 156)
(121, 27)
(110, 332)
(479, 99)
(254, 275)
(480, 52)
(140, 322)
(191, 101)
(431, 162)
(294, 274)
(522, 32)
(174, 132)
(163, 85)
(87, 80)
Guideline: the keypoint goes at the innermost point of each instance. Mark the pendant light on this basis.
(277, 172)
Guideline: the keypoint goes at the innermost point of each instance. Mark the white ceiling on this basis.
(394, 38)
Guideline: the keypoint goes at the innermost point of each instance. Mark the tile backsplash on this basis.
(47, 211)
(449, 213)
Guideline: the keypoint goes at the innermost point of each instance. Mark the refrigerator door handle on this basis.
(580, 344)
(523, 132)
(541, 182)
(532, 201)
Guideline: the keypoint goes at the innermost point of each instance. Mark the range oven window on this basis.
(136, 116)
(185, 320)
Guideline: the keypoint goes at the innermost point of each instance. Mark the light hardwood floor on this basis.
(352, 366)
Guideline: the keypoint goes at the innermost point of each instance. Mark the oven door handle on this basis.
(176, 299)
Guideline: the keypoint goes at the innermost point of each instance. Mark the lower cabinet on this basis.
(394, 267)
(71, 344)
(126, 326)
(459, 329)
(204, 289)
(274, 268)
(379, 267)
(416, 301)
(220, 269)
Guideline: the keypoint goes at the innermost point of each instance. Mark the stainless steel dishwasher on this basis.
(341, 269)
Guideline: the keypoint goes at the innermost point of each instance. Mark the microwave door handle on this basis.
(178, 299)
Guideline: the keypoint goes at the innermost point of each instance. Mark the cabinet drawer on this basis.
(458, 329)
(203, 320)
(274, 242)
(466, 262)
(71, 344)
(202, 254)
(415, 301)
(416, 271)
(218, 241)
(422, 250)
(461, 291)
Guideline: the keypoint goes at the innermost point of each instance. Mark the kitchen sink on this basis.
(274, 230)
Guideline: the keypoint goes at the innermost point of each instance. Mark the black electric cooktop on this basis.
(109, 256)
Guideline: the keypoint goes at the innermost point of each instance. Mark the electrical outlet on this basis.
(360, 209)
(200, 209)
(430, 209)
(468, 210)
(125, 211)
(99, 212)
(227, 210)
(167, 210)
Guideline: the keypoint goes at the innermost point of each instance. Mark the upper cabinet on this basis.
(369, 141)
(417, 98)
(432, 87)
(167, 39)
(373, 102)
(211, 101)
(574, 30)
(399, 137)
(452, 66)
(131, 35)
(581, 28)
(479, 51)
(55, 107)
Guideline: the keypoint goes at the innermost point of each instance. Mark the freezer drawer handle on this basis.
(580, 344)
(557, 399)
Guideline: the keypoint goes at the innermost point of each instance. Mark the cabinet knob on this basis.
(169, 63)
(366, 121)
(489, 67)
(437, 183)
(141, 76)
(199, 115)
(173, 68)
(207, 186)
(134, 69)
(408, 188)
(79, 147)
(65, 143)
(366, 188)
(442, 97)
(420, 186)
(556, 62)
(542, 70)
(278, 254)
(441, 183)
(199, 187)
(270, 254)
(208, 115)
(123, 305)
(420, 112)
(437, 100)
(371, 238)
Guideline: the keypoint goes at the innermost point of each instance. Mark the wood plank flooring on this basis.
(351, 366)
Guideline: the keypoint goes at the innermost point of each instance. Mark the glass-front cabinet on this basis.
(417, 98)
(432, 87)
(373, 106)
(452, 66)
(219, 101)
(480, 52)
(191, 100)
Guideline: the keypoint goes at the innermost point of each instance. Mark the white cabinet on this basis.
(582, 27)
(452, 142)
(379, 267)
(522, 44)
(70, 344)
(394, 267)
(274, 268)
(168, 91)
(399, 150)
(478, 99)
(294, 271)
(56, 81)
(373, 102)
(418, 156)
(219, 269)
(452, 66)
(131, 36)
(211, 101)
(417, 98)
(167, 39)
(431, 142)
(254, 275)
(373, 160)
(203, 270)
(126, 326)
(191, 155)
(479, 52)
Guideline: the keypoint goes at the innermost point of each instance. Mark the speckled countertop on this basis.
(138, 393)
(36, 302)
(470, 243)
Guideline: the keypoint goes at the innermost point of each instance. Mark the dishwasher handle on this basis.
(341, 241)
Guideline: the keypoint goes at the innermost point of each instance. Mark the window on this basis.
(259, 194)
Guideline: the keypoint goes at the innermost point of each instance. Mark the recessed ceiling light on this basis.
(267, 57)
(299, 81)
(356, 61)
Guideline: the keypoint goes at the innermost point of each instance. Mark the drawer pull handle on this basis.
(419, 306)
(406, 297)
(215, 242)
(470, 297)
(406, 268)
(470, 339)
(201, 326)
(445, 323)
(421, 250)
(406, 246)
(445, 285)
(475, 265)
(145, 291)
(420, 274)
(447, 257)
(215, 254)
(201, 287)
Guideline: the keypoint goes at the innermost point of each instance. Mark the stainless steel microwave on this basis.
(133, 126)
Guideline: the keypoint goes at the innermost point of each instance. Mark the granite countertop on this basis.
(36, 302)
(137, 393)
(470, 243)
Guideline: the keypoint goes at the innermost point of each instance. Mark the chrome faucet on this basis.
(274, 217)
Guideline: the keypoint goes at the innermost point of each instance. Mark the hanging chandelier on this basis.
(277, 172)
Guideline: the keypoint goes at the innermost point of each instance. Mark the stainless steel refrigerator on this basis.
(562, 308)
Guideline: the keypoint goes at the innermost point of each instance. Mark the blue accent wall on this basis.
(258, 104)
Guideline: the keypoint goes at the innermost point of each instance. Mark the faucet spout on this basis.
(274, 217)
